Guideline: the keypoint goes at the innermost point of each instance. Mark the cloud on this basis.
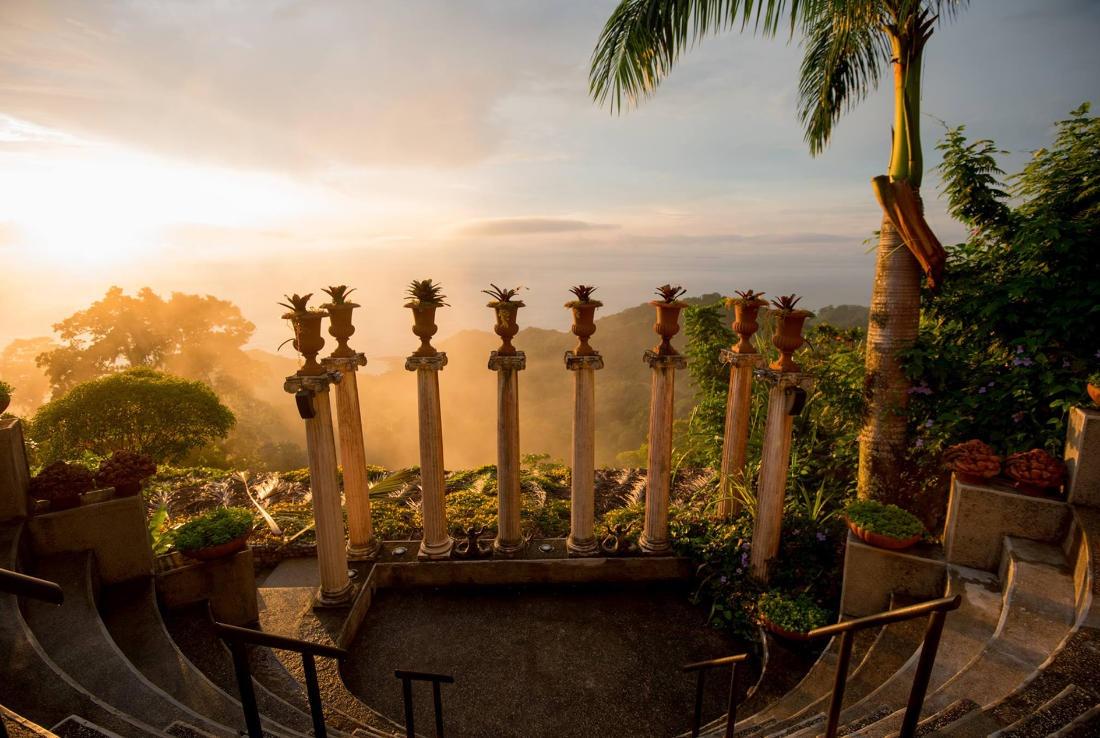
(528, 226)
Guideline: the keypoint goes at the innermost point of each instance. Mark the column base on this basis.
(508, 549)
(582, 548)
(435, 552)
(652, 547)
(340, 598)
(365, 552)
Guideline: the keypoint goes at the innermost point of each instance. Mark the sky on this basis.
(247, 150)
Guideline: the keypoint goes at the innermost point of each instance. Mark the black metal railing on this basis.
(22, 585)
(936, 610)
(701, 668)
(237, 638)
(407, 678)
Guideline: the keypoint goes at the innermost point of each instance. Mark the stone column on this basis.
(362, 545)
(312, 395)
(654, 538)
(736, 438)
(437, 543)
(784, 402)
(509, 540)
(1083, 456)
(582, 535)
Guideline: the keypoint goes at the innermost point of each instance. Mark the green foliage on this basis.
(160, 536)
(395, 519)
(425, 292)
(139, 410)
(886, 520)
(796, 613)
(6, 389)
(1094, 379)
(1004, 344)
(548, 519)
(213, 529)
(470, 508)
(699, 440)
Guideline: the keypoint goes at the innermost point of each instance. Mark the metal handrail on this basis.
(407, 678)
(237, 637)
(702, 667)
(22, 585)
(937, 614)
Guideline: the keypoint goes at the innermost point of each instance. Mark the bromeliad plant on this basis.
(790, 615)
(885, 526)
(584, 312)
(505, 308)
(425, 297)
(217, 533)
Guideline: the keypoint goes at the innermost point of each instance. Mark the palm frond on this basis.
(393, 482)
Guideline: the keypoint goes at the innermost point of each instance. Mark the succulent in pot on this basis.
(972, 462)
(339, 310)
(746, 306)
(790, 616)
(505, 308)
(5, 395)
(883, 526)
(1035, 471)
(1093, 387)
(668, 317)
(307, 331)
(125, 471)
(789, 321)
(215, 534)
(584, 318)
(61, 484)
(425, 297)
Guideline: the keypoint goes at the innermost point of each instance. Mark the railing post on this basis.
(313, 690)
(437, 543)
(437, 703)
(582, 536)
(836, 701)
(697, 715)
(654, 537)
(244, 686)
(731, 704)
(509, 540)
(406, 696)
(407, 678)
(924, 673)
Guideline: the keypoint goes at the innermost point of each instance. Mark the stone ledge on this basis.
(872, 575)
(228, 583)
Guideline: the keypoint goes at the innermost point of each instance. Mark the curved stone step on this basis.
(77, 727)
(77, 640)
(1086, 725)
(1062, 709)
(19, 727)
(133, 619)
(34, 686)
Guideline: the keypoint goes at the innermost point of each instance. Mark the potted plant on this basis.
(790, 616)
(339, 315)
(505, 308)
(5, 395)
(125, 471)
(883, 526)
(745, 306)
(1035, 472)
(61, 484)
(307, 331)
(584, 318)
(972, 462)
(221, 532)
(424, 298)
(668, 317)
(788, 331)
(1093, 387)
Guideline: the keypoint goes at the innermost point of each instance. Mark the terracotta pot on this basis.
(788, 338)
(667, 325)
(976, 479)
(99, 495)
(424, 328)
(745, 324)
(1035, 471)
(879, 540)
(1093, 390)
(308, 341)
(506, 326)
(340, 328)
(127, 489)
(775, 630)
(221, 550)
(68, 502)
(584, 325)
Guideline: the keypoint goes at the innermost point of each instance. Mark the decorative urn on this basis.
(584, 318)
(425, 297)
(788, 332)
(746, 306)
(307, 332)
(505, 309)
(339, 310)
(668, 317)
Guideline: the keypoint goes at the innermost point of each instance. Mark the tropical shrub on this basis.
(213, 528)
(796, 613)
(468, 508)
(886, 520)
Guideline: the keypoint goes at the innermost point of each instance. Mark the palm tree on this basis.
(847, 44)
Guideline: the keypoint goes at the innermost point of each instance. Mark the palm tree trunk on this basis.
(893, 324)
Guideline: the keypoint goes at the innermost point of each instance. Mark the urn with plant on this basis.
(307, 332)
(789, 321)
(339, 309)
(425, 297)
(506, 309)
(584, 314)
(746, 306)
(668, 317)
(1093, 387)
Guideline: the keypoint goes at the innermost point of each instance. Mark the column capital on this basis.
(658, 361)
(435, 363)
(784, 379)
(344, 363)
(311, 382)
(739, 360)
(514, 362)
(574, 362)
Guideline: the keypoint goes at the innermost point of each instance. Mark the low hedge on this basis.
(886, 520)
(796, 613)
(213, 528)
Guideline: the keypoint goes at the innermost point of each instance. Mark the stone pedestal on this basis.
(1083, 456)
(312, 394)
(362, 544)
(14, 472)
(736, 438)
(582, 535)
(509, 540)
(437, 543)
(654, 537)
(774, 461)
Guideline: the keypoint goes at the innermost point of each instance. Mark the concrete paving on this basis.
(556, 661)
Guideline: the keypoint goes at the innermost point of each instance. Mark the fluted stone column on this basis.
(736, 438)
(509, 540)
(582, 535)
(654, 538)
(774, 462)
(437, 543)
(312, 393)
(362, 545)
